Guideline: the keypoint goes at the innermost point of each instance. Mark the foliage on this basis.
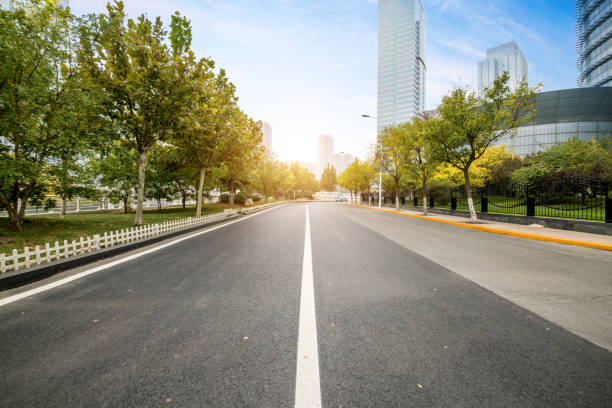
(574, 158)
(304, 183)
(224, 198)
(328, 179)
(469, 124)
(393, 156)
(358, 177)
(41, 89)
(119, 174)
(240, 198)
(143, 80)
(496, 165)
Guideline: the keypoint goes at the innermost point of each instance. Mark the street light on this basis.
(363, 115)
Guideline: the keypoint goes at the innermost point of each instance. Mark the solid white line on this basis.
(80, 275)
(307, 382)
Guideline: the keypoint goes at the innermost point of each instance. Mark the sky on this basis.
(310, 67)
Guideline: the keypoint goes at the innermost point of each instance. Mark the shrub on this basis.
(240, 198)
(224, 198)
(256, 198)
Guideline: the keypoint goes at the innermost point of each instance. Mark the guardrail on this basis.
(52, 252)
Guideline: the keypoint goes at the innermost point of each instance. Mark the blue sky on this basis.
(309, 67)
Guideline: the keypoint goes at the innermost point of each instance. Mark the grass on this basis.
(540, 211)
(41, 229)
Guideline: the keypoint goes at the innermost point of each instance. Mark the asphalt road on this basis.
(214, 321)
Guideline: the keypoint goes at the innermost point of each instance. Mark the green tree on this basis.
(469, 124)
(242, 149)
(145, 81)
(40, 85)
(118, 174)
(304, 183)
(329, 179)
(422, 161)
(393, 157)
(573, 158)
(351, 178)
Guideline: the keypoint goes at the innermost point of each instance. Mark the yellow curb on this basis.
(525, 235)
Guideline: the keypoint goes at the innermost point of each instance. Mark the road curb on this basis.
(525, 235)
(10, 280)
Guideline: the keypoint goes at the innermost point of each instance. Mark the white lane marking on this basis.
(307, 382)
(80, 275)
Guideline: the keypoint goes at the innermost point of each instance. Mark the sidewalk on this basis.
(536, 232)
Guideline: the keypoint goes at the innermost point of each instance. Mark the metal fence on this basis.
(571, 198)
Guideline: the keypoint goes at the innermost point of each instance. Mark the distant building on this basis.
(267, 136)
(503, 58)
(325, 150)
(342, 161)
(401, 61)
(582, 113)
(594, 42)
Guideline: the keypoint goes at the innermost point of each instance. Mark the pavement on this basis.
(601, 241)
(404, 312)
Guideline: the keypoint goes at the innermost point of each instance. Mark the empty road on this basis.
(320, 305)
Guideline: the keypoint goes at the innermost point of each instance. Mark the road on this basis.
(319, 305)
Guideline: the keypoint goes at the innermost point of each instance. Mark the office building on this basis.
(582, 113)
(342, 161)
(267, 136)
(401, 61)
(594, 42)
(325, 150)
(503, 58)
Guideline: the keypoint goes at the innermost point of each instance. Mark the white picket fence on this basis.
(39, 255)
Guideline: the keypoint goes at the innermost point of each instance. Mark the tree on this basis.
(202, 134)
(329, 179)
(304, 182)
(39, 82)
(422, 161)
(393, 157)
(242, 149)
(119, 175)
(468, 124)
(144, 81)
(351, 179)
(265, 174)
(573, 158)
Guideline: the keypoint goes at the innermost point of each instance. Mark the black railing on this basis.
(573, 198)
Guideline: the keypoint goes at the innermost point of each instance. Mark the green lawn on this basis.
(541, 211)
(39, 230)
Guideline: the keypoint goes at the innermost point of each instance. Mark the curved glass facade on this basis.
(594, 31)
(585, 113)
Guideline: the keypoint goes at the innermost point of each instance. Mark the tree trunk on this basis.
(200, 192)
(424, 198)
(142, 162)
(231, 193)
(125, 205)
(63, 210)
(369, 199)
(397, 206)
(468, 191)
(14, 219)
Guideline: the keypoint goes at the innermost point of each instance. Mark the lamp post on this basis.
(379, 170)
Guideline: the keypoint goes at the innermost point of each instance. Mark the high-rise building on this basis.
(267, 136)
(503, 58)
(325, 150)
(401, 61)
(594, 42)
(342, 161)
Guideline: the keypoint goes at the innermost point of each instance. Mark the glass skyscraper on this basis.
(503, 58)
(594, 45)
(401, 61)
